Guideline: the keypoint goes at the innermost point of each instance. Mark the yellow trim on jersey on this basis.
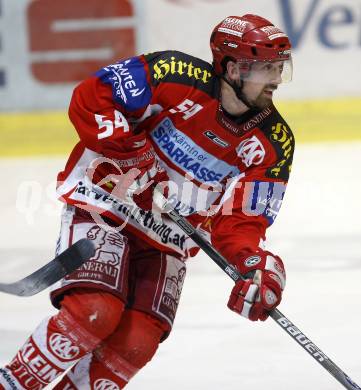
(51, 133)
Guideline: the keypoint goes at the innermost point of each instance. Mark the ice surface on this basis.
(317, 234)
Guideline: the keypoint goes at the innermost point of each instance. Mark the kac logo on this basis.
(62, 347)
(251, 151)
(105, 384)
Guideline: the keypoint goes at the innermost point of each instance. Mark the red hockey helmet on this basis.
(250, 38)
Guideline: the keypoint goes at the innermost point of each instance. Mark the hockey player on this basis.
(212, 133)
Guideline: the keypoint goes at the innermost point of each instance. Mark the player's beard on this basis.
(264, 98)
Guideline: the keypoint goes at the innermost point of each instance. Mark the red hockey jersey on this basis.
(238, 167)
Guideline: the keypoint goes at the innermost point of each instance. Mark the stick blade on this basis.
(63, 264)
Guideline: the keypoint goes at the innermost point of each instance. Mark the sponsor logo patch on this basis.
(177, 66)
(231, 44)
(180, 68)
(276, 278)
(264, 198)
(44, 370)
(284, 53)
(239, 130)
(190, 157)
(233, 26)
(273, 32)
(213, 137)
(270, 297)
(283, 141)
(252, 261)
(279, 268)
(160, 231)
(128, 81)
(172, 291)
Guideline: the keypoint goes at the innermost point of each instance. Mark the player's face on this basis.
(261, 82)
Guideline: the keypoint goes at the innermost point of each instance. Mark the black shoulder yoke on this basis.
(281, 137)
(181, 68)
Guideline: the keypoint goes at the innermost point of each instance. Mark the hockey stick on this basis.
(63, 264)
(277, 316)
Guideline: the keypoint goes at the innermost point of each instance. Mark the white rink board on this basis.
(325, 35)
(318, 236)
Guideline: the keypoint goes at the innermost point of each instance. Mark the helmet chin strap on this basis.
(240, 95)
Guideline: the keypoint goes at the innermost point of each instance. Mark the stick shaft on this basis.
(275, 314)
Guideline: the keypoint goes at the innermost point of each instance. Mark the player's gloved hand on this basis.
(261, 291)
(134, 170)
